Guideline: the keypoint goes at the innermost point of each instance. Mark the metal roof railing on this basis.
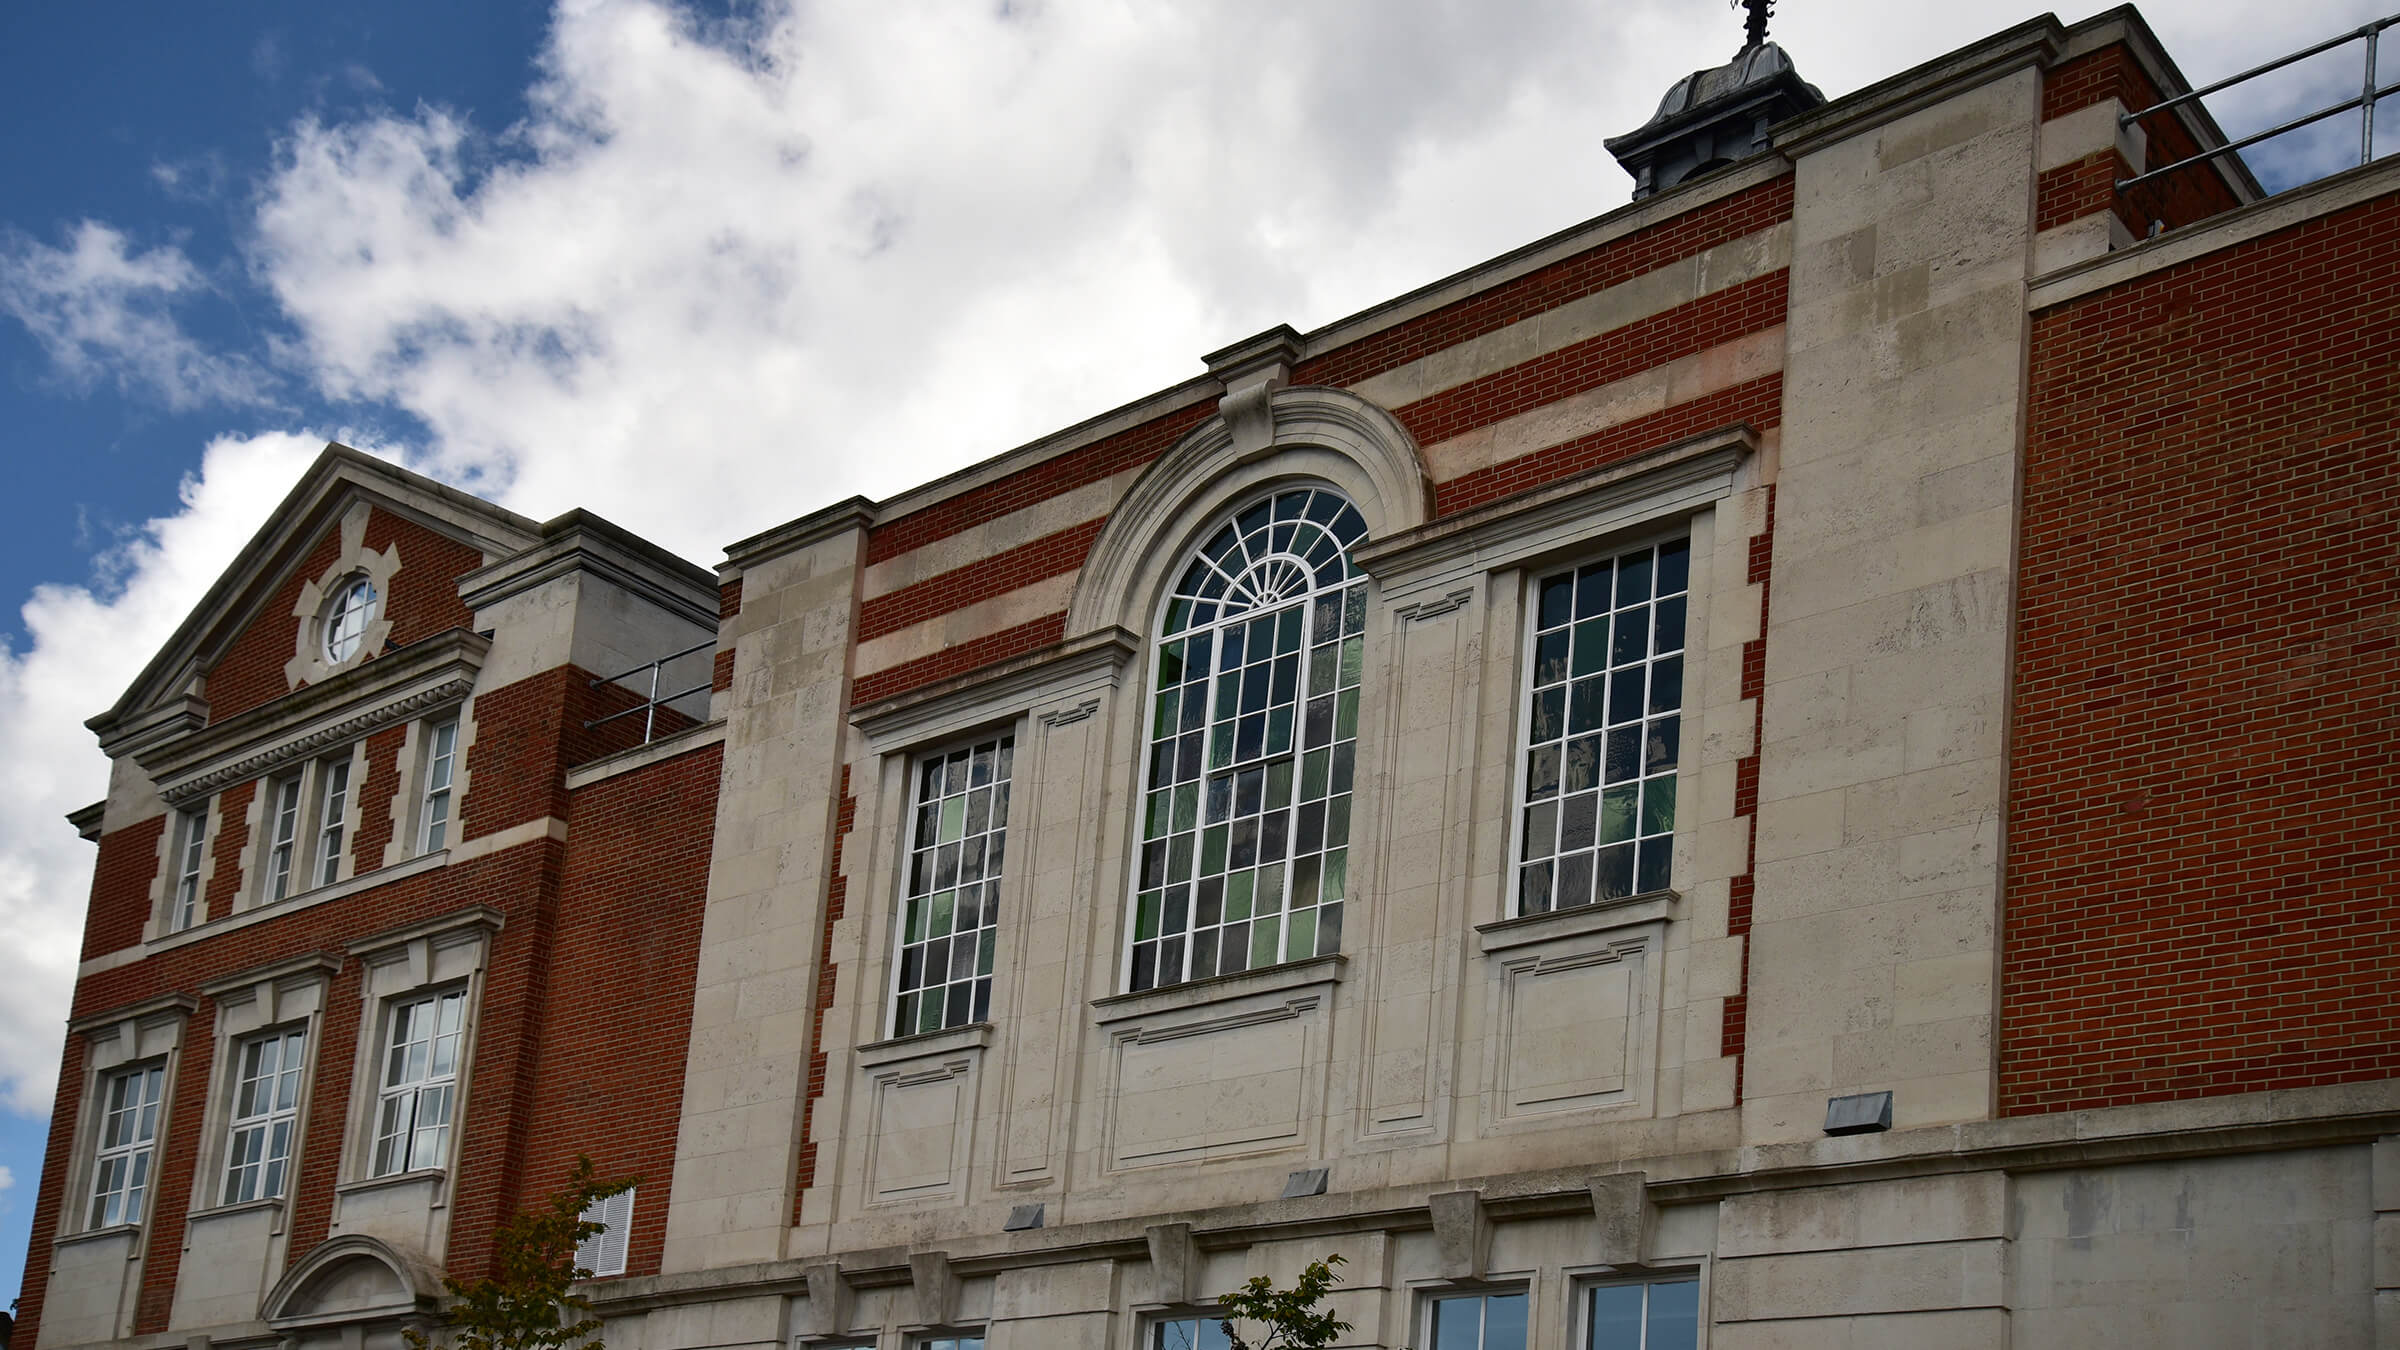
(2365, 100)
(649, 706)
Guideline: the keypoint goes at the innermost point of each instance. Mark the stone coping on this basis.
(643, 756)
(925, 1045)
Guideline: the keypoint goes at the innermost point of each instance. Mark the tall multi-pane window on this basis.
(1189, 1333)
(1660, 1315)
(945, 1342)
(283, 806)
(1244, 855)
(1603, 730)
(441, 748)
(333, 800)
(191, 836)
(958, 838)
(1494, 1321)
(266, 1111)
(420, 1084)
(128, 1135)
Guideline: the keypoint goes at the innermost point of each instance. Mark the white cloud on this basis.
(723, 275)
(84, 644)
(102, 311)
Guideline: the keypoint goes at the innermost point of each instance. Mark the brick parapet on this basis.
(2204, 807)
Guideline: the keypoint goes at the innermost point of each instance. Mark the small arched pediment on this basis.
(352, 1278)
(1303, 434)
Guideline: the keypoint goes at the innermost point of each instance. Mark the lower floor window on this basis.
(1189, 1333)
(266, 1108)
(128, 1129)
(1494, 1321)
(420, 1084)
(974, 1342)
(1659, 1315)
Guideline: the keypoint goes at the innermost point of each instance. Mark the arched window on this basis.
(1244, 858)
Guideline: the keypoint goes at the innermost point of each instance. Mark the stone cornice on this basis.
(149, 1009)
(391, 688)
(853, 513)
(582, 542)
(1437, 555)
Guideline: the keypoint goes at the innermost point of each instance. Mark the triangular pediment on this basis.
(171, 697)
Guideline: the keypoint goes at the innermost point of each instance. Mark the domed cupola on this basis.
(1712, 118)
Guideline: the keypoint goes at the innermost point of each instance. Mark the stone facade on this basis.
(2015, 771)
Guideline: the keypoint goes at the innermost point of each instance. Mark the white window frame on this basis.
(339, 611)
(1431, 1300)
(1586, 1290)
(1327, 912)
(333, 808)
(603, 1253)
(950, 1340)
(125, 1198)
(281, 822)
(261, 1144)
(436, 798)
(1205, 1336)
(184, 900)
(401, 1092)
(1521, 740)
(1001, 741)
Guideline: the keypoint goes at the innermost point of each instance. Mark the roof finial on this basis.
(1757, 25)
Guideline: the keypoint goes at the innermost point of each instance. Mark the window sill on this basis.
(435, 1175)
(1598, 917)
(1290, 975)
(292, 904)
(130, 1231)
(925, 1045)
(237, 1207)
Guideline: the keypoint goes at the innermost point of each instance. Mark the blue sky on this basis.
(704, 268)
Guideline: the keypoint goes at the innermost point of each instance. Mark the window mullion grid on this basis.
(128, 1128)
(420, 1080)
(1603, 719)
(194, 824)
(1241, 859)
(265, 1111)
(333, 804)
(286, 837)
(440, 756)
(949, 921)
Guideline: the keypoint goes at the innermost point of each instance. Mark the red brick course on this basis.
(1757, 403)
(1645, 344)
(973, 654)
(1736, 1024)
(1049, 556)
(1595, 269)
(2204, 810)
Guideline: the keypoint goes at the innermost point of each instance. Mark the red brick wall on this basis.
(1736, 1024)
(528, 734)
(1048, 556)
(423, 602)
(2204, 811)
(1759, 403)
(624, 953)
(121, 880)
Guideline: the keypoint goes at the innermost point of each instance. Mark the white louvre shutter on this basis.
(603, 1253)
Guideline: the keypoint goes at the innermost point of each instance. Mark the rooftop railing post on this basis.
(650, 718)
(2366, 115)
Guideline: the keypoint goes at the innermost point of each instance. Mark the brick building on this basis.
(1808, 762)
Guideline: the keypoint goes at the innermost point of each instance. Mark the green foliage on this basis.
(1290, 1316)
(526, 1304)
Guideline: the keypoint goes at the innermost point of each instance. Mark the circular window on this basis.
(347, 617)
